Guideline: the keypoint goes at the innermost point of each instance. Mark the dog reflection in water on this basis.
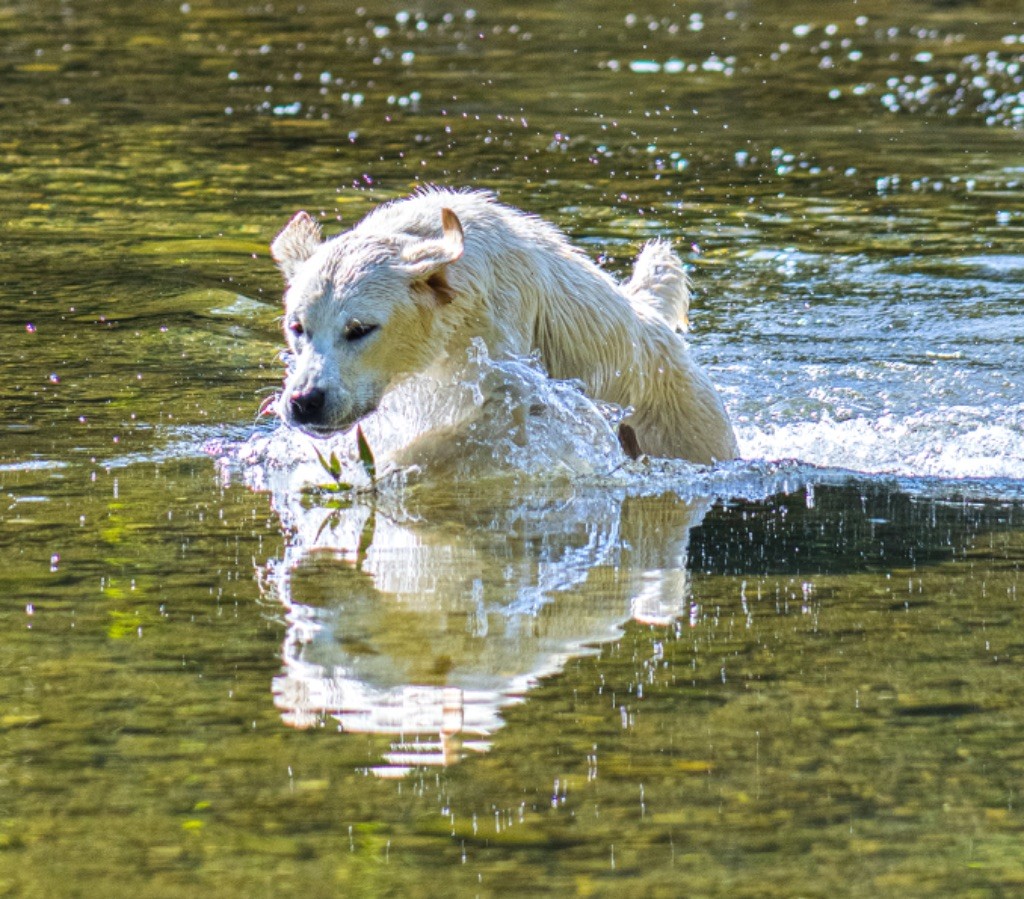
(422, 623)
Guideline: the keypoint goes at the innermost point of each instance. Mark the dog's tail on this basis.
(659, 282)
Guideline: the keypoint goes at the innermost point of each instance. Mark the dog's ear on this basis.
(296, 243)
(427, 258)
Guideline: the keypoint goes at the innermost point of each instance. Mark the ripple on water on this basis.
(996, 265)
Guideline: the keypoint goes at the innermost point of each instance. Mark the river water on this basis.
(527, 665)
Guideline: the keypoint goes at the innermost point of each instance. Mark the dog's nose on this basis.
(307, 408)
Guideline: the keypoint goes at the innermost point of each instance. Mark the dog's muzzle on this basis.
(312, 412)
(307, 408)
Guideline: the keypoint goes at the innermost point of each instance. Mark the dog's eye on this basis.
(297, 329)
(356, 330)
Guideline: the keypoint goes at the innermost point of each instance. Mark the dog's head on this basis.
(361, 312)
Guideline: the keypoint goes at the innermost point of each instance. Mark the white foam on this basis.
(952, 442)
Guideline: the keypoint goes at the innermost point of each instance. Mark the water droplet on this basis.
(644, 66)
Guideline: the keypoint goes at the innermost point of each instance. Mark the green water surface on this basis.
(837, 710)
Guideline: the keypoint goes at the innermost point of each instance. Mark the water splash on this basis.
(490, 417)
(880, 367)
(952, 442)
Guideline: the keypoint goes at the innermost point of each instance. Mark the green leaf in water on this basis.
(366, 536)
(332, 465)
(336, 487)
(366, 454)
(324, 464)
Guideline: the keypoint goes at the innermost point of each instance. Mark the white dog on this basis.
(412, 284)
